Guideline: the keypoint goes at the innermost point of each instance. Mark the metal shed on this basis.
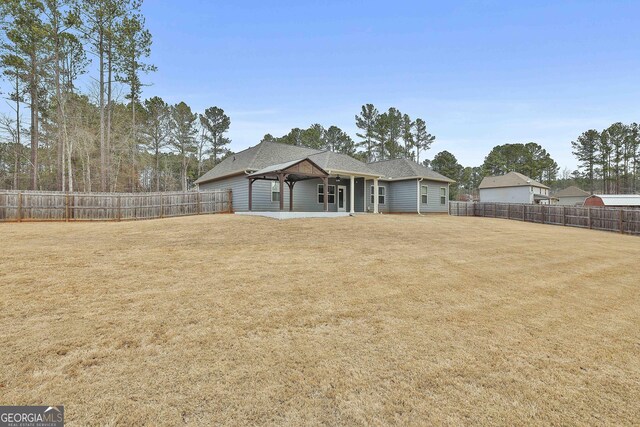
(613, 200)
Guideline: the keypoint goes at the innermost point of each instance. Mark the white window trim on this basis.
(381, 197)
(318, 194)
(426, 194)
(273, 185)
(445, 196)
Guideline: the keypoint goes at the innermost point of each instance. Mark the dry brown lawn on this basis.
(372, 320)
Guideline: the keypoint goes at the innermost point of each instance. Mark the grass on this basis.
(371, 320)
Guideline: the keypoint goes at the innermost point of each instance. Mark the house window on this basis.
(381, 194)
(275, 191)
(443, 196)
(424, 190)
(331, 194)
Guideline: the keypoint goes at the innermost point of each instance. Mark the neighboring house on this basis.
(317, 181)
(613, 200)
(571, 196)
(513, 187)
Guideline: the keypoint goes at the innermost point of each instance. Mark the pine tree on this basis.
(156, 131)
(585, 150)
(366, 121)
(215, 124)
(407, 136)
(394, 133)
(421, 138)
(26, 49)
(338, 141)
(183, 132)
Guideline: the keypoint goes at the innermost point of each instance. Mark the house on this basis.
(571, 196)
(513, 187)
(279, 177)
(613, 200)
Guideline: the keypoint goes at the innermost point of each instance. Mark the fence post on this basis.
(119, 210)
(229, 201)
(198, 202)
(66, 207)
(161, 205)
(621, 220)
(19, 207)
(508, 210)
(542, 213)
(564, 215)
(589, 216)
(524, 212)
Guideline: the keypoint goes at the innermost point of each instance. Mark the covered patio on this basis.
(334, 193)
(290, 173)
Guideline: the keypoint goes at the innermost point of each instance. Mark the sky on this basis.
(480, 73)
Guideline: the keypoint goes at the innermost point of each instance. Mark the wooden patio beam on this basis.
(281, 187)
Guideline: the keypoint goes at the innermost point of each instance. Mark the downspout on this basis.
(418, 195)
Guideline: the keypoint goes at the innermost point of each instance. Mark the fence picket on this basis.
(619, 220)
(60, 206)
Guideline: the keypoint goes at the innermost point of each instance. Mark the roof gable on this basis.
(297, 168)
(256, 158)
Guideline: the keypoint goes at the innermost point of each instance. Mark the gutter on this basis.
(418, 195)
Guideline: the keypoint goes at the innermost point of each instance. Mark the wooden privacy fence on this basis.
(59, 206)
(621, 220)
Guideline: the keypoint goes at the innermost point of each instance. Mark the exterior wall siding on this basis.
(404, 196)
(305, 194)
(433, 197)
(571, 201)
(401, 196)
(239, 190)
(521, 194)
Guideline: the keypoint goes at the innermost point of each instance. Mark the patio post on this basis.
(281, 187)
(376, 195)
(325, 187)
(352, 184)
(291, 184)
(364, 195)
(250, 192)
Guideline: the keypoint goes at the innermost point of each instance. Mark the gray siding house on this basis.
(571, 196)
(513, 187)
(257, 175)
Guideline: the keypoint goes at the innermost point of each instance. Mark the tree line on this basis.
(393, 134)
(382, 136)
(104, 137)
(609, 159)
(100, 138)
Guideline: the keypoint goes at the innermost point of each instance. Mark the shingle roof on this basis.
(283, 166)
(405, 168)
(511, 179)
(336, 162)
(267, 154)
(572, 191)
(256, 158)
